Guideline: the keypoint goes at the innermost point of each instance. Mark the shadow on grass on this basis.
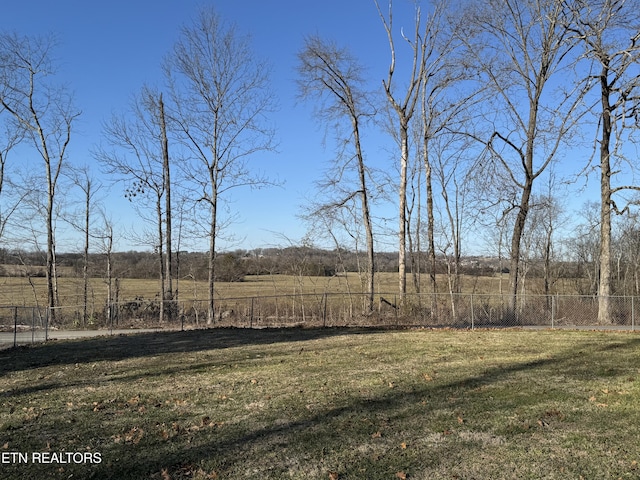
(343, 432)
(334, 438)
(123, 347)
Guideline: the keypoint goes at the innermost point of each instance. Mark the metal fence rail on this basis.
(21, 325)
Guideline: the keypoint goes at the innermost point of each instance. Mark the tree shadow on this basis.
(122, 347)
(394, 407)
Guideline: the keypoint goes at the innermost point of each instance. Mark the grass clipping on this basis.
(326, 404)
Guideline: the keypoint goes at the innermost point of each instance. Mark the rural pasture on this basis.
(325, 404)
(21, 291)
(287, 300)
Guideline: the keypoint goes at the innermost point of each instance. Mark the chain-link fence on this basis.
(20, 325)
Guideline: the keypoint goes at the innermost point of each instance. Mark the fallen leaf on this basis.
(428, 377)
(5, 446)
(592, 399)
(605, 391)
(401, 475)
(403, 446)
(460, 420)
(333, 476)
(378, 434)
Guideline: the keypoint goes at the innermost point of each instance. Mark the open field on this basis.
(18, 291)
(325, 404)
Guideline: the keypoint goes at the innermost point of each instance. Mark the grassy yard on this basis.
(325, 404)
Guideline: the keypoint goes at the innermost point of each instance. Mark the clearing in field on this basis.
(325, 404)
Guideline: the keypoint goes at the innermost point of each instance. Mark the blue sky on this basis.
(108, 50)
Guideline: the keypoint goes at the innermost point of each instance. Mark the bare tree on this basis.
(449, 167)
(11, 134)
(629, 253)
(89, 186)
(404, 107)
(584, 247)
(221, 98)
(137, 155)
(106, 248)
(609, 31)
(516, 48)
(334, 76)
(46, 113)
(440, 108)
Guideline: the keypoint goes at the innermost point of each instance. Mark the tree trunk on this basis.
(167, 294)
(85, 260)
(604, 286)
(514, 262)
(366, 217)
(160, 255)
(50, 270)
(212, 248)
(402, 232)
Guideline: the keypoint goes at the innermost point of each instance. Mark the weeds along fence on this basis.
(21, 325)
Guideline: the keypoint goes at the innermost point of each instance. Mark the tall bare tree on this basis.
(517, 47)
(82, 221)
(440, 106)
(404, 105)
(137, 155)
(334, 76)
(610, 33)
(221, 98)
(46, 113)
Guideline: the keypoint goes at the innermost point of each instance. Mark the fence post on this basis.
(15, 327)
(324, 310)
(395, 302)
(553, 311)
(472, 314)
(633, 318)
(251, 315)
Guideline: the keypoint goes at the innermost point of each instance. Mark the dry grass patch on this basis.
(327, 404)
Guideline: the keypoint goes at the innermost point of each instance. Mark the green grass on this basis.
(348, 404)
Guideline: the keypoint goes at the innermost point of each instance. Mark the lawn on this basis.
(324, 404)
